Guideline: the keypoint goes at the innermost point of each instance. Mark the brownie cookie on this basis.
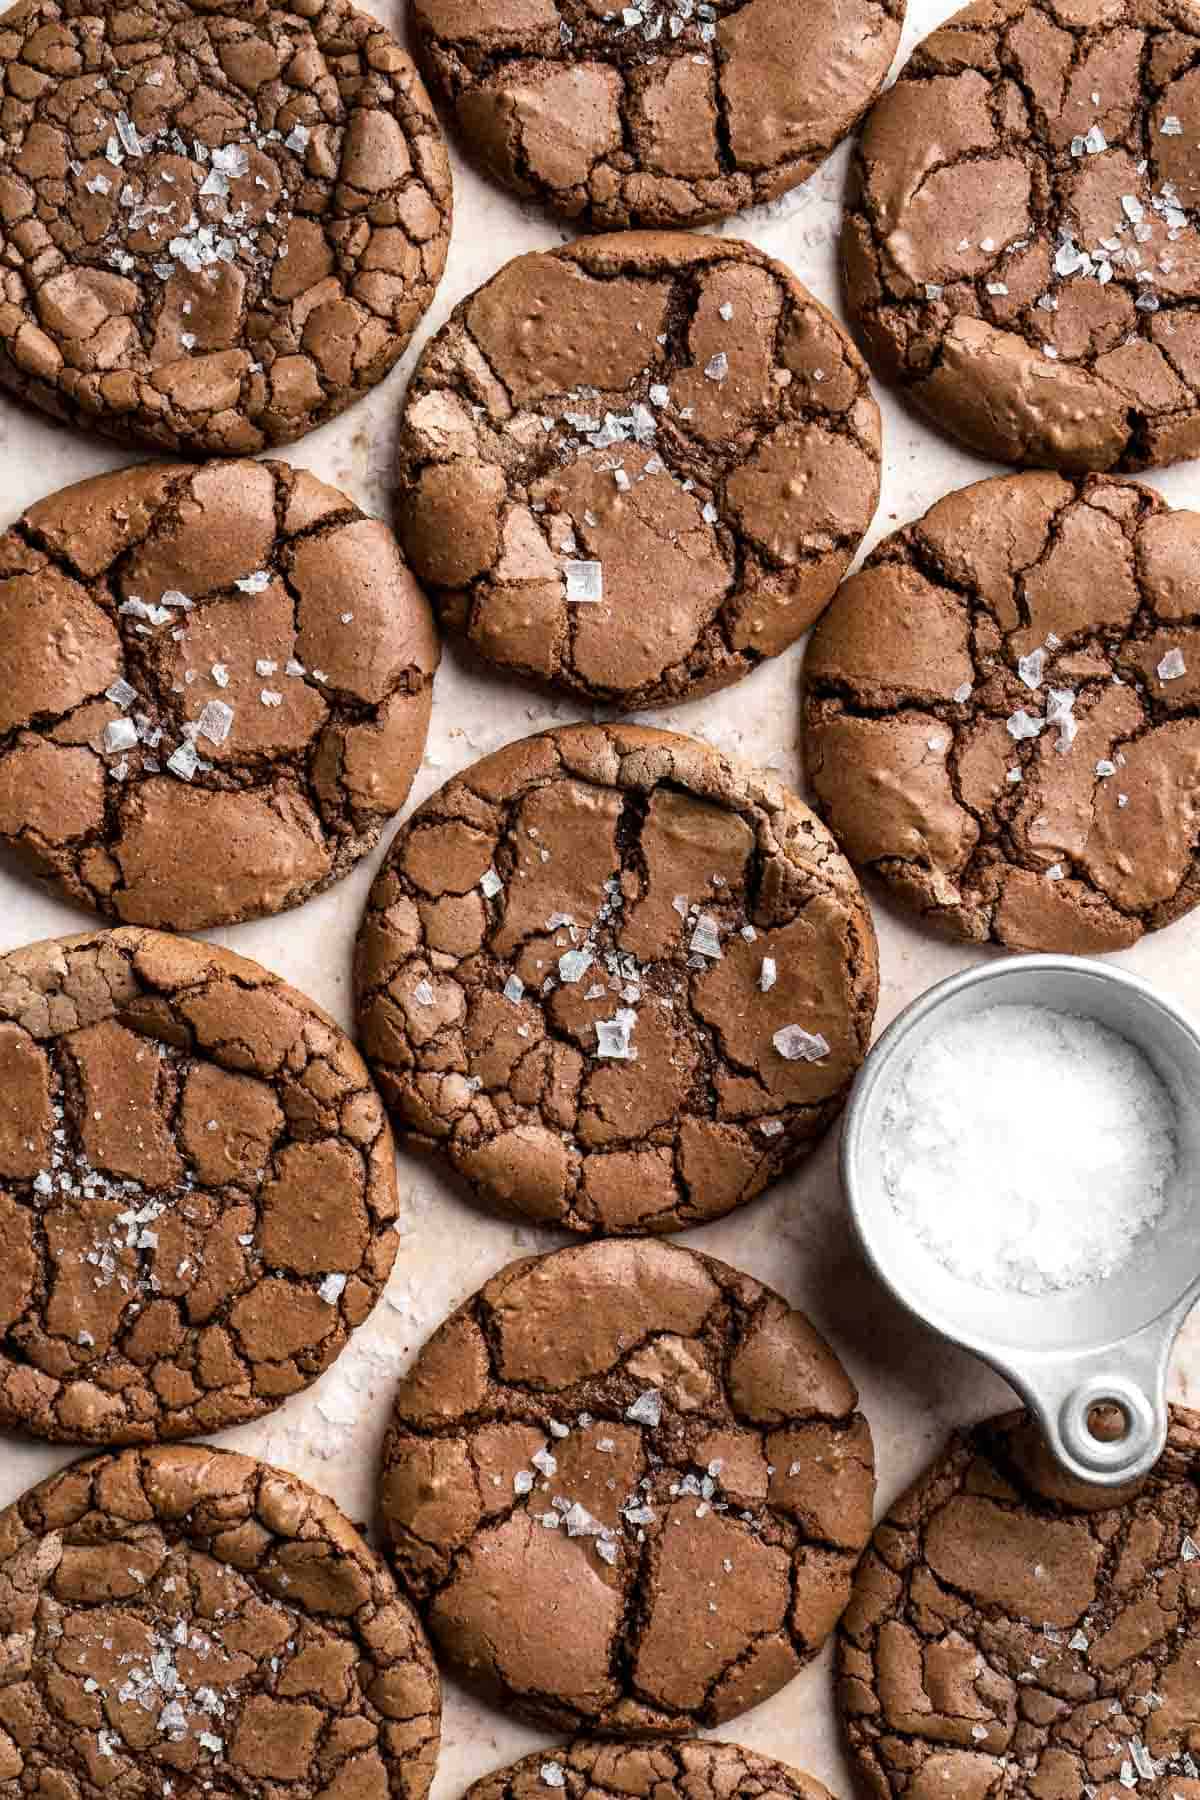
(1020, 243)
(220, 220)
(1006, 1640)
(693, 1770)
(619, 982)
(197, 1189)
(628, 1488)
(187, 1622)
(636, 466)
(215, 686)
(664, 113)
(1003, 713)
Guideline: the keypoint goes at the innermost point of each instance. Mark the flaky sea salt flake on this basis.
(120, 734)
(121, 693)
(768, 974)
(585, 582)
(717, 367)
(1023, 725)
(215, 721)
(646, 1410)
(706, 938)
(795, 1044)
(1172, 666)
(614, 1037)
(514, 989)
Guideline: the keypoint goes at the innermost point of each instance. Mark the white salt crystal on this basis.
(183, 762)
(1172, 666)
(706, 938)
(646, 1409)
(121, 694)
(1097, 1134)
(256, 583)
(1171, 126)
(215, 721)
(717, 367)
(768, 974)
(423, 993)
(1023, 725)
(573, 965)
(963, 693)
(795, 1044)
(552, 1772)
(514, 989)
(491, 884)
(1030, 668)
(585, 582)
(332, 1288)
(614, 1037)
(120, 734)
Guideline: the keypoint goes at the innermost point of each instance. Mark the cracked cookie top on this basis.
(670, 112)
(1003, 1640)
(197, 1189)
(628, 1487)
(695, 1769)
(634, 467)
(215, 686)
(1002, 713)
(188, 1622)
(1020, 245)
(220, 220)
(619, 982)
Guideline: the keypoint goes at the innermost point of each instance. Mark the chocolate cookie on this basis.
(1002, 713)
(187, 1622)
(696, 1769)
(215, 686)
(197, 1189)
(628, 1488)
(1020, 246)
(636, 466)
(220, 220)
(619, 982)
(1003, 1641)
(664, 113)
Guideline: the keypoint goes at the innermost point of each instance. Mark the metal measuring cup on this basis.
(1066, 1354)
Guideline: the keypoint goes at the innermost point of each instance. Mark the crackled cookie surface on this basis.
(220, 221)
(1002, 716)
(628, 1487)
(188, 1622)
(620, 982)
(215, 686)
(591, 1769)
(197, 1189)
(1002, 1641)
(636, 466)
(665, 113)
(1021, 246)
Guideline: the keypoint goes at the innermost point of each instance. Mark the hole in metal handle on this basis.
(1085, 1427)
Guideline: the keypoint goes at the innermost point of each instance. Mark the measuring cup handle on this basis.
(1108, 1461)
(1064, 1393)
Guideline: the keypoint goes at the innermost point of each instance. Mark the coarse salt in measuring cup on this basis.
(1030, 1150)
(1021, 1158)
